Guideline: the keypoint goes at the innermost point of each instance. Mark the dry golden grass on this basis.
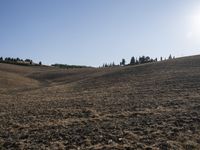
(151, 106)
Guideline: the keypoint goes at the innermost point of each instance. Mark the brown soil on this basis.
(151, 106)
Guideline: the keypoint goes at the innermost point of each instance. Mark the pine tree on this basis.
(123, 63)
(170, 56)
(132, 61)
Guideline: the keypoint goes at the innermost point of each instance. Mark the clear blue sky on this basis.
(91, 32)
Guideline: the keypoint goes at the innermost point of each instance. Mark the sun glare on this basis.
(196, 22)
(194, 25)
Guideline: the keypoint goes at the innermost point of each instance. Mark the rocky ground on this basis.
(151, 106)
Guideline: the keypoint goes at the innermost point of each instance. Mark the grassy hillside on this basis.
(149, 106)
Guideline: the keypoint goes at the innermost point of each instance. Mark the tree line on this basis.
(18, 61)
(133, 61)
(65, 66)
(137, 61)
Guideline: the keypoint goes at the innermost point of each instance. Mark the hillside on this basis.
(148, 106)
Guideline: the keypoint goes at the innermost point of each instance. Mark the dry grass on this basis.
(151, 106)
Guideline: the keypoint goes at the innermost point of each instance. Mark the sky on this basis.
(93, 32)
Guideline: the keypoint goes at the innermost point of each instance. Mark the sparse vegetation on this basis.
(149, 106)
(135, 61)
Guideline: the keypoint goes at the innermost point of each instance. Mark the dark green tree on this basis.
(133, 61)
(170, 56)
(113, 64)
(123, 63)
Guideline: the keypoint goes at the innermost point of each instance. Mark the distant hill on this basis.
(146, 106)
(65, 66)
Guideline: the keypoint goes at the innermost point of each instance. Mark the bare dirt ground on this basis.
(151, 106)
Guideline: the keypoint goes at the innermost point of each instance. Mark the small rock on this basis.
(110, 141)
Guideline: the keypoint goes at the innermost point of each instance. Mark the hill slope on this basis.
(135, 107)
